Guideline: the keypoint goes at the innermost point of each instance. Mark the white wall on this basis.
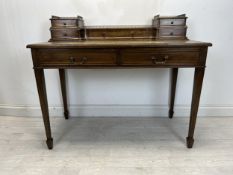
(134, 92)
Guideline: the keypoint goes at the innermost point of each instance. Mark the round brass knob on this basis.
(104, 34)
(83, 60)
(132, 34)
(72, 59)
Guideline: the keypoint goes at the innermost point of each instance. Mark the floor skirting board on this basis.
(115, 110)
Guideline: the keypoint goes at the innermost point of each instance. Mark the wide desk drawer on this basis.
(161, 57)
(75, 57)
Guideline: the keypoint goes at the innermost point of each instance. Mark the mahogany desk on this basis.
(172, 54)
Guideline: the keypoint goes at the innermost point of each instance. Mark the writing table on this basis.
(162, 45)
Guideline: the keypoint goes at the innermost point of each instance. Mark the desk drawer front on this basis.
(75, 57)
(162, 57)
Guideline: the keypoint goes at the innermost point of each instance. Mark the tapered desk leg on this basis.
(173, 91)
(63, 90)
(197, 86)
(41, 87)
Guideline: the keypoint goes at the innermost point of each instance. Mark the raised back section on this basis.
(119, 32)
(73, 29)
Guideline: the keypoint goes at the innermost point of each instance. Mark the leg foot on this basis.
(66, 114)
(171, 113)
(49, 143)
(189, 142)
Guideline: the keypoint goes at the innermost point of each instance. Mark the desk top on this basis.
(119, 44)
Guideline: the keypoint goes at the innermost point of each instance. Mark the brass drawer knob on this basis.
(159, 60)
(104, 34)
(171, 33)
(83, 60)
(72, 60)
(132, 34)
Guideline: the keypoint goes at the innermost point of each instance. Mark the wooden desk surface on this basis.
(119, 43)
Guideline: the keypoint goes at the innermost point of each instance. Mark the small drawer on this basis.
(171, 32)
(64, 23)
(160, 21)
(75, 57)
(67, 21)
(161, 57)
(65, 33)
(172, 22)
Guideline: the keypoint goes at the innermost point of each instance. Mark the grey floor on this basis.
(116, 146)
